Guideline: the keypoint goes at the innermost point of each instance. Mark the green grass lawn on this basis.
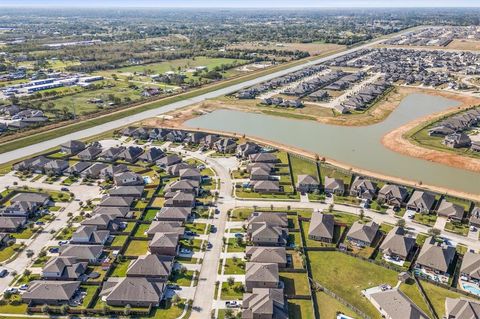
(14, 309)
(345, 218)
(182, 279)
(239, 214)
(119, 241)
(65, 233)
(329, 307)
(333, 172)
(137, 248)
(346, 200)
(246, 193)
(198, 228)
(170, 312)
(120, 269)
(186, 260)
(295, 283)
(8, 252)
(300, 309)
(234, 247)
(330, 269)
(25, 233)
(27, 279)
(437, 296)
(457, 228)
(150, 214)
(413, 292)
(234, 266)
(233, 292)
(141, 229)
(90, 290)
(424, 219)
(301, 166)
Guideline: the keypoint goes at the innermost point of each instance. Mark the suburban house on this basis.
(334, 186)
(260, 174)
(128, 179)
(64, 268)
(421, 202)
(174, 214)
(263, 158)
(111, 154)
(77, 168)
(55, 167)
(133, 291)
(307, 184)
(89, 235)
(451, 210)
(90, 153)
(457, 140)
(179, 199)
(264, 303)
(11, 224)
(257, 254)
(397, 245)
(152, 266)
(93, 171)
(103, 222)
(43, 292)
(394, 304)
(190, 174)
(265, 234)
(116, 212)
(151, 155)
(261, 275)
(393, 195)
(363, 235)
(33, 200)
(266, 187)
(184, 186)
(165, 227)
(88, 253)
(72, 147)
(164, 244)
(174, 170)
(127, 191)
(321, 227)
(272, 218)
(475, 217)
(470, 269)
(246, 149)
(116, 201)
(169, 160)
(363, 188)
(435, 257)
(131, 154)
(461, 308)
(225, 145)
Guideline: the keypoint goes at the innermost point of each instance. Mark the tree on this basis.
(230, 281)
(434, 232)
(175, 299)
(400, 223)
(362, 214)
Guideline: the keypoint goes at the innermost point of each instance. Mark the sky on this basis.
(242, 3)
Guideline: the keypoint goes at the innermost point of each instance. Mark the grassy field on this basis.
(302, 166)
(361, 275)
(413, 292)
(437, 296)
(329, 307)
(326, 170)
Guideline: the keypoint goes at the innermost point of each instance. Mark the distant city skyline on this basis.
(241, 3)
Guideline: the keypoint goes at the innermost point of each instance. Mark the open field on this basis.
(457, 44)
(311, 48)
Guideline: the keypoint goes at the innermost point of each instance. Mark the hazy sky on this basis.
(244, 3)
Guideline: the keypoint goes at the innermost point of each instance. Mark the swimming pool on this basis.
(471, 288)
(147, 179)
(342, 316)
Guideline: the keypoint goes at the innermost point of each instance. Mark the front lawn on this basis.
(234, 247)
(234, 266)
(425, 219)
(8, 252)
(193, 244)
(240, 214)
(181, 278)
(25, 233)
(232, 292)
(457, 228)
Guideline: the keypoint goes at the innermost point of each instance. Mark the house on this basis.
(111, 154)
(261, 275)
(184, 186)
(393, 195)
(35, 200)
(89, 235)
(457, 140)
(152, 155)
(77, 168)
(246, 149)
(394, 304)
(174, 170)
(363, 235)
(265, 234)
(265, 166)
(35, 165)
(470, 269)
(321, 227)
(461, 308)
(90, 153)
(334, 186)
(128, 179)
(263, 158)
(43, 292)
(209, 141)
(114, 211)
(64, 268)
(93, 171)
(192, 174)
(72, 147)
(165, 227)
(110, 171)
(225, 145)
(397, 245)
(11, 224)
(131, 154)
(307, 184)
(475, 217)
(363, 188)
(264, 303)
(103, 222)
(260, 174)
(179, 199)
(435, 257)
(116, 201)
(174, 214)
(266, 187)
(421, 202)
(164, 244)
(6, 239)
(133, 291)
(55, 167)
(272, 218)
(88, 253)
(169, 160)
(153, 267)
(127, 191)
(257, 254)
(451, 210)
(19, 209)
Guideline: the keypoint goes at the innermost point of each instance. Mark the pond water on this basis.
(357, 146)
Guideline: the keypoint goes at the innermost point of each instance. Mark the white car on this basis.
(232, 304)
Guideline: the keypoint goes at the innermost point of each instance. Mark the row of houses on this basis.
(14, 118)
(364, 97)
(264, 297)
(309, 86)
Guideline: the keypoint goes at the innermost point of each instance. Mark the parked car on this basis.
(12, 290)
(239, 235)
(232, 304)
(3, 273)
(23, 287)
(54, 250)
(63, 242)
(64, 189)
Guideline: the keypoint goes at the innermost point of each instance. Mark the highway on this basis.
(45, 145)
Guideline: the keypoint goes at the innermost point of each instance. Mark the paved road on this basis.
(42, 146)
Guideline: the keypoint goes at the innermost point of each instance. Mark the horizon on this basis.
(245, 4)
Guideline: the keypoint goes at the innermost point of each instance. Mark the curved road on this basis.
(45, 145)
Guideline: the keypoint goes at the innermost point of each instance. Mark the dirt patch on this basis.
(473, 45)
(398, 141)
(311, 48)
